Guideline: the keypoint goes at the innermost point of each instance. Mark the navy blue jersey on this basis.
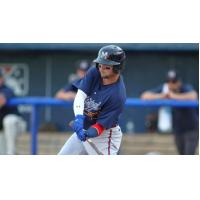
(104, 103)
(5, 110)
(184, 119)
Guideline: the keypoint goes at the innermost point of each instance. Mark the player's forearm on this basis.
(152, 96)
(91, 132)
(95, 130)
(184, 96)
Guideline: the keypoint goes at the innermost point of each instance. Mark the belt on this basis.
(112, 126)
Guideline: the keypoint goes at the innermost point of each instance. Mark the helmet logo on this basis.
(104, 55)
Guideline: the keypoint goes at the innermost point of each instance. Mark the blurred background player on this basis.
(98, 104)
(184, 120)
(70, 90)
(11, 123)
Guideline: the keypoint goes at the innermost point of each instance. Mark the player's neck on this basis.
(110, 80)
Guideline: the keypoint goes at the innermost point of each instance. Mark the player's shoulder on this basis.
(186, 87)
(5, 88)
(117, 98)
(119, 91)
(7, 91)
(120, 86)
(93, 70)
(93, 73)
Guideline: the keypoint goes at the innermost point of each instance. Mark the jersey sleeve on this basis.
(110, 112)
(8, 93)
(69, 88)
(86, 84)
(187, 88)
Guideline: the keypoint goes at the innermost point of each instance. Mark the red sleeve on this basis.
(99, 128)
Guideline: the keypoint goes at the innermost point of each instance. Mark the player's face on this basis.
(81, 73)
(174, 86)
(106, 70)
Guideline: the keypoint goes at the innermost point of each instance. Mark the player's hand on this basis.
(81, 135)
(172, 95)
(77, 124)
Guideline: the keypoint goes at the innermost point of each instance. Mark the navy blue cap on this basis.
(83, 65)
(172, 76)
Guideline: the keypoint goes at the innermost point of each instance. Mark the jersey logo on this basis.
(91, 105)
(16, 77)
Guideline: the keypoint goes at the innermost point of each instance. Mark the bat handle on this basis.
(71, 123)
(89, 141)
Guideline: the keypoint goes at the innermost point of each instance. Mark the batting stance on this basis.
(97, 106)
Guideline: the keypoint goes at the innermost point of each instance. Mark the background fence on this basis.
(38, 102)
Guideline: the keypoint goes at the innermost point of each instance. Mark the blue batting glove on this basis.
(81, 135)
(78, 123)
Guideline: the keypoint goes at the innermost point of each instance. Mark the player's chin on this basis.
(105, 76)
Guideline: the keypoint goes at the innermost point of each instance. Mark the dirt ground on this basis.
(49, 143)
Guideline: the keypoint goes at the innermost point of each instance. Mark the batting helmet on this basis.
(111, 55)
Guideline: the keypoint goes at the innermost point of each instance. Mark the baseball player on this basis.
(11, 123)
(97, 106)
(185, 121)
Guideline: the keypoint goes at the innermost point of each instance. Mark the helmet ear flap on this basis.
(116, 69)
